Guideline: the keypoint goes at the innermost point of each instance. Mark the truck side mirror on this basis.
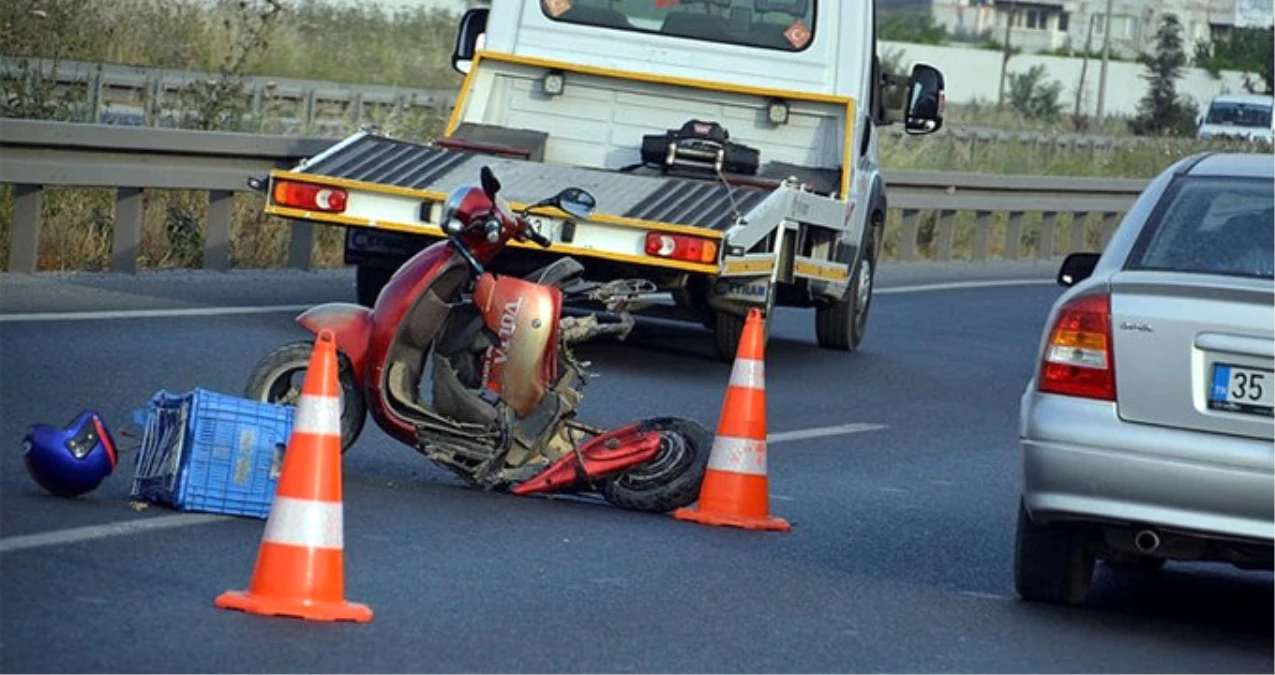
(923, 113)
(473, 25)
(1076, 267)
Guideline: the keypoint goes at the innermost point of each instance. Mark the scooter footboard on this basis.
(598, 457)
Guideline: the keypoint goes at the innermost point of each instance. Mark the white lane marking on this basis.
(985, 596)
(78, 534)
(270, 309)
(148, 313)
(820, 432)
(958, 285)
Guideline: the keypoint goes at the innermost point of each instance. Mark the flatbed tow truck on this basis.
(731, 145)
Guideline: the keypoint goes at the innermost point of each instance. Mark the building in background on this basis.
(1058, 25)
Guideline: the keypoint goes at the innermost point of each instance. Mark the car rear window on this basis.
(1211, 225)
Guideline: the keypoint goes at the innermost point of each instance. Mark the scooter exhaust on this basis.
(1146, 541)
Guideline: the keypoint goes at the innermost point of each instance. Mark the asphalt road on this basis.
(899, 559)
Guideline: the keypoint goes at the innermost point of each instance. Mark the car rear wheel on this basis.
(1052, 563)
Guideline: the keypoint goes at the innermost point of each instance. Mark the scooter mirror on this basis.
(490, 184)
(576, 202)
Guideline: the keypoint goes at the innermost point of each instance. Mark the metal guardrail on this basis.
(132, 159)
(146, 96)
(929, 210)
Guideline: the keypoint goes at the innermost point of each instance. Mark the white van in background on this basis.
(1246, 116)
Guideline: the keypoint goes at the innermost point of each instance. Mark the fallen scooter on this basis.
(498, 407)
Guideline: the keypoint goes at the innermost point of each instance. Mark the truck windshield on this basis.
(1240, 114)
(787, 25)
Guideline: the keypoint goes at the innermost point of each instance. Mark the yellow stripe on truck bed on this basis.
(436, 196)
(433, 230)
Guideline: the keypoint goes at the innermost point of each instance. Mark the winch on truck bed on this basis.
(731, 170)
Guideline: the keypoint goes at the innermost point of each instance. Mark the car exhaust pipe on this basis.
(1147, 541)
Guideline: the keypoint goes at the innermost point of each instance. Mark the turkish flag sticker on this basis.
(797, 34)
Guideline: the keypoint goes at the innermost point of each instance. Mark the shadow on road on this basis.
(1208, 596)
(676, 341)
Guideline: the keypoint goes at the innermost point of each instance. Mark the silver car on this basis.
(1146, 429)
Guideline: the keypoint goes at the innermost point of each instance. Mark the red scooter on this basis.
(492, 351)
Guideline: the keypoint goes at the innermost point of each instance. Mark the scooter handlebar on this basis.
(540, 239)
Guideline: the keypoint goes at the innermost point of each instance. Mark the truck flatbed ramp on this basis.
(380, 161)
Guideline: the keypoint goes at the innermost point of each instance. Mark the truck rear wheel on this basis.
(728, 328)
(841, 325)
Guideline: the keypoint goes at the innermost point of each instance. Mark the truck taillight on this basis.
(681, 247)
(309, 196)
(1078, 360)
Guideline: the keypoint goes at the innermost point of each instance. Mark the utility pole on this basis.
(1084, 66)
(1009, 23)
(1106, 55)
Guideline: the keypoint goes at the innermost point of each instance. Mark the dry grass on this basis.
(962, 227)
(986, 114)
(364, 42)
(1141, 159)
(78, 228)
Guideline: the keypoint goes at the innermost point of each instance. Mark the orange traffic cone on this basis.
(736, 490)
(300, 566)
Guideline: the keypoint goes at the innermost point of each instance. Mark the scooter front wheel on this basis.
(280, 375)
(672, 478)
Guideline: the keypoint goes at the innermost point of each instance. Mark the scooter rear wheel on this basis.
(673, 477)
(279, 376)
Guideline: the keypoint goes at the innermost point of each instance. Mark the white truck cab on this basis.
(732, 147)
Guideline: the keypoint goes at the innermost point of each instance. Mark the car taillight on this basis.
(1078, 360)
(681, 247)
(309, 196)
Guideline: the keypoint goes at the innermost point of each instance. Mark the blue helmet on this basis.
(70, 461)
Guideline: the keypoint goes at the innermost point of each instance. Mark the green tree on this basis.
(1248, 50)
(913, 28)
(1162, 112)
(1270, 60)
(1032, 97)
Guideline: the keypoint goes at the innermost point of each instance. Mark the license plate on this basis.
(744, 289)
(1240, 389)
(369, 241)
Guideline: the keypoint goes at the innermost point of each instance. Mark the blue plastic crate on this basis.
(209, 452)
